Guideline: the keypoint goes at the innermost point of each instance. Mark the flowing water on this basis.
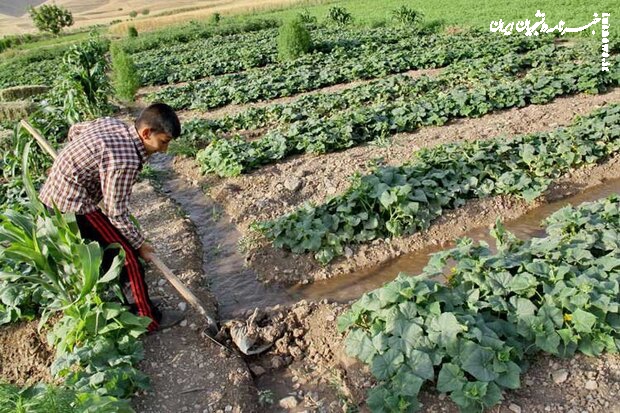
(237, 289)
(352, 286)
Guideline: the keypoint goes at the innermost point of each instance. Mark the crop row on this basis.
(41, 66)
(228, 54)
(559, 294)
(228, 157)
(392, 201)
(381, 91)
(341, 65)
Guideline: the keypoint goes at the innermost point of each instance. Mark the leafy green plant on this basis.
(557, 294)
(375, 54)
(412, 104)
(407, 15)
(339, 15)
(48, 250)
(132, 31)
(125, 79)
(133, 14)
(215, 18)
(50, 18)
(49, 399)
(83, 87)
(96, 341)
(293, 40)
(306, 18)
(392, 201)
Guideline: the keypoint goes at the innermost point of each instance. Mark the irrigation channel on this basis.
(237, 289)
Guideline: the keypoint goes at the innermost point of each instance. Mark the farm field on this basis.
(408, 216)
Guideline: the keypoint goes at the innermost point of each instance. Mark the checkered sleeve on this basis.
(116, 186)
(75, 130)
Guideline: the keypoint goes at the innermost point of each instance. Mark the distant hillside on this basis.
(17, 8)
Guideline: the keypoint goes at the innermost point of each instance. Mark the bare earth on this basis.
(262, 195)
(92, 12)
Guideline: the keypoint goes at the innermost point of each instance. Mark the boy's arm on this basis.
(116, 187)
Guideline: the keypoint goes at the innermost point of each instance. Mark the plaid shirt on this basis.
(101, 161)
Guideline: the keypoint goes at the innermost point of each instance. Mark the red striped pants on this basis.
(95, 226)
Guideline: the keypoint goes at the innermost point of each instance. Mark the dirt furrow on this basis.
(187, 372)
(280, 188)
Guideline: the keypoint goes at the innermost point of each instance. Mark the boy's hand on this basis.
(146, 251)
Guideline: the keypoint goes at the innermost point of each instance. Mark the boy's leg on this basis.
(97, 227)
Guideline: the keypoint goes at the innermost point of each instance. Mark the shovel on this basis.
(212, 328)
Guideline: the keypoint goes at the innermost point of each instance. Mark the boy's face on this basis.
(154, 141)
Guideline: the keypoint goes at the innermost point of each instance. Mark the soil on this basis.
(26, 357)
(188, 372)
(261, 195)
(308, 363)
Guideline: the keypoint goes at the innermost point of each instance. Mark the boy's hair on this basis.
(161, 118)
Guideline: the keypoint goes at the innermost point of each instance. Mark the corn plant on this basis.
(43, 249)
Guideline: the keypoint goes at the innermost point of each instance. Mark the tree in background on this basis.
(50, 18)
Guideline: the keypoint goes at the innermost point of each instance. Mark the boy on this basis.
(101, 162)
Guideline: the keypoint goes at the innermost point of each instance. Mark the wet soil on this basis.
(26, 357)
(188, 372)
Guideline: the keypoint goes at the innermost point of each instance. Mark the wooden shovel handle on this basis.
(182, 289)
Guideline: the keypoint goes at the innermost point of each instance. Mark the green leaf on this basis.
(385, 365)
(478, 361)
(511, 377)
(583, 321)
(358, 344)
(90, 262)
(451, 378)
(421, 364)
(115, 269)
(444, 329)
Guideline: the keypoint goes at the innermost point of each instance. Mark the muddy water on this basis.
(235, 286)
(352, 286)
(237, 289)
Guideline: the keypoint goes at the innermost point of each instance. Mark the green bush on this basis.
(406, 15)
(293, 40)
(125, 79)
(339, 15)
(215, 18)
(133, 14)
(306, 18)
(145, 12)
(132, 31)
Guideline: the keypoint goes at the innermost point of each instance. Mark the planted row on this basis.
(198, 131)
(393, 201)
(559, 294)
(436, 106)
(341, 65)
(228, 54)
